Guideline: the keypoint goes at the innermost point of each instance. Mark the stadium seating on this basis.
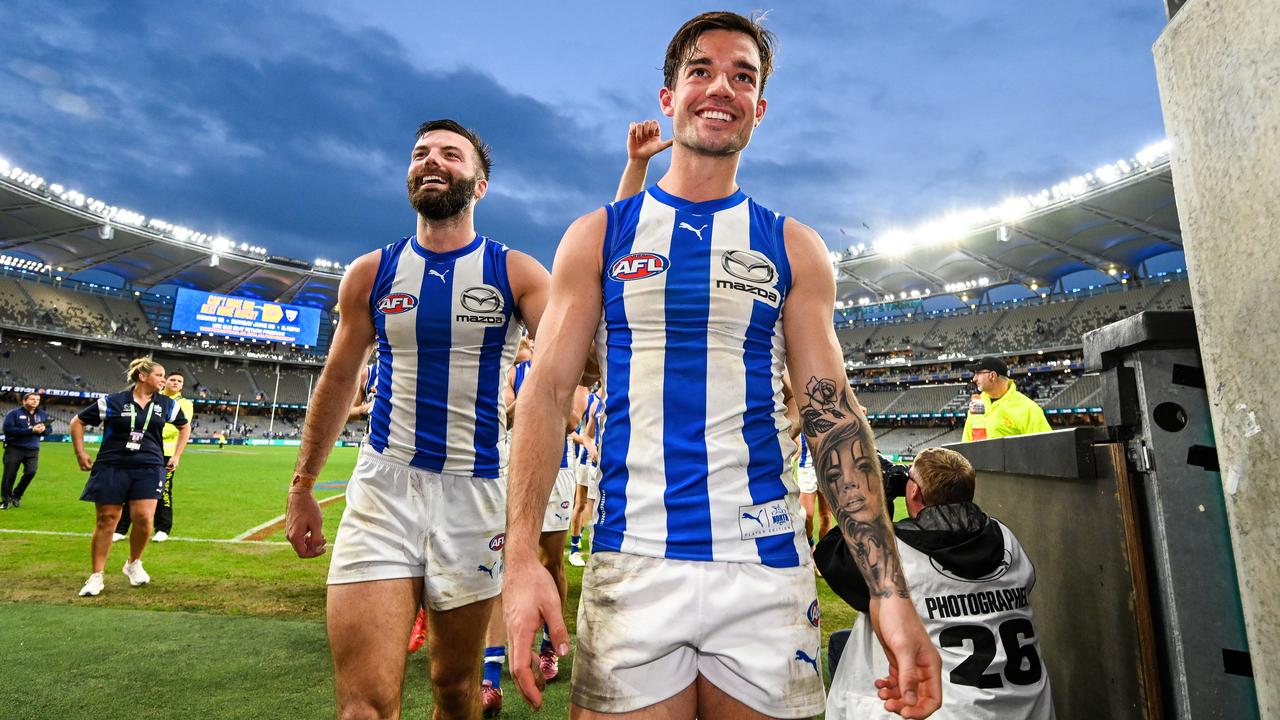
(1082, 393)
(926, 398)
(1057, 321)
(907, 440)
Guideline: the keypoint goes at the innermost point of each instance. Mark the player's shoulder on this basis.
(797, 232)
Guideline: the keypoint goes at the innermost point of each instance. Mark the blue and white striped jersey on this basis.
(806, 459)
(593, 406)
(522, 374)
(695, 463)
(446, 330)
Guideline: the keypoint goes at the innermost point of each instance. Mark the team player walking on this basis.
(425, 505)
(699, 599)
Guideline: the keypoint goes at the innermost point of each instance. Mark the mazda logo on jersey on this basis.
(748, 265)
(638, 266)
(482, 299)
(396, 303)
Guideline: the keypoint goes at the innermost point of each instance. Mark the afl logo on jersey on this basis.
(748, 265)
(497, 542)
(482, 299)
(396, 303)
(814, 614)
(638, 266)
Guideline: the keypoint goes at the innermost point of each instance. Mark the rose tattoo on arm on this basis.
(849, 475)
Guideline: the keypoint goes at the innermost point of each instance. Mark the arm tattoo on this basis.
(849, 475)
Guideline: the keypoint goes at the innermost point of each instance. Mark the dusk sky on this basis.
(289, 125)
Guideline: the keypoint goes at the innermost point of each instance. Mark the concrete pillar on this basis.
(1218, 65)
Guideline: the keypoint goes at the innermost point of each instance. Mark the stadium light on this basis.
(956, 226)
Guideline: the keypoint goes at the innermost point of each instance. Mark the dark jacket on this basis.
(960, 537)
(17, 428)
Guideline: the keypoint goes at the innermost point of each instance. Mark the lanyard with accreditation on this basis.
(135, 433)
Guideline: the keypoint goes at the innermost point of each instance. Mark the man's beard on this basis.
(435, 205)
(688, 137)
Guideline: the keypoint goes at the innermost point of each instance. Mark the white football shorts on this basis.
(560, 504)
(807, 479)
(647, 627)
(588, 476)
(403, 522)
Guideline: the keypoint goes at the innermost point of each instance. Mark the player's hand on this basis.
(85, 462)
(644, 140)
(304, 524)
(172, 464)
(913, 687)
(38, 428)
(530, 598)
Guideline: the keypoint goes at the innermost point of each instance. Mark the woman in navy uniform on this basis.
(130, 466)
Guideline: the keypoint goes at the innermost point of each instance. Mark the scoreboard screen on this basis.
(241, 317)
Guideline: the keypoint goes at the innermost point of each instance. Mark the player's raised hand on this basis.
(529, 599)
(304, 523)
(644, 140)
(913, 687)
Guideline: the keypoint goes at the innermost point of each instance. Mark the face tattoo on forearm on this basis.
(849, 475)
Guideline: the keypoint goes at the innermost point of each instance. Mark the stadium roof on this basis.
(72, 233)
(1110, 220)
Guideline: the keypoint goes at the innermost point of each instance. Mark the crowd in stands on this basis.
(1054, 322)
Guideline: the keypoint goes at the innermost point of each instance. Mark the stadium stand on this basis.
(909, 440)
(1082, 393)
(927, 398)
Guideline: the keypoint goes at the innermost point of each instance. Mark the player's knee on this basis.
(367, 708)
(453, 689)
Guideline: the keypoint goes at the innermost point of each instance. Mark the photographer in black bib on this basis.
(971, 582)
(130, 467)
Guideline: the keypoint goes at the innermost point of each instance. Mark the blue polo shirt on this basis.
(119, 415)
(17, 428)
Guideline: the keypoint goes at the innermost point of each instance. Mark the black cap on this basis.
(991, 363)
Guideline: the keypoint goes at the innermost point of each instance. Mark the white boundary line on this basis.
(278, 519)
(173, 538)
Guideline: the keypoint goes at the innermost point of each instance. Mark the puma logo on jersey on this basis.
(437, 273)
(487, 568)
(804, 657)
(692, 229)
(764, 519)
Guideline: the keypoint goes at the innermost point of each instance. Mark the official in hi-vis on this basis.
(1000, 410)
(23, 428)
(173, 385)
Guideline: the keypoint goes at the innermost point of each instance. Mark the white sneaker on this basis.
(137, 576)
(93, 586)
(575, 559)
(160, 536)
(117, 537)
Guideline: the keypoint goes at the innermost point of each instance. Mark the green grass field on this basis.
(228, 628)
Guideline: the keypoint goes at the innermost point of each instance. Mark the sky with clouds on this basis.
(288, 125)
